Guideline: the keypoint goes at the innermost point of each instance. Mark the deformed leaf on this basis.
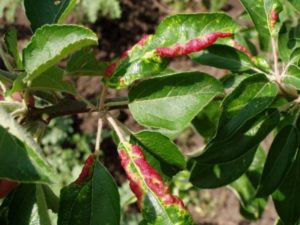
(280, 156)
(264, 15)
(154, 102)
(92, 199)
(160, 152)
(224, 57)
(18, 148)
(51, 43)
(155, 200)
(176, 35)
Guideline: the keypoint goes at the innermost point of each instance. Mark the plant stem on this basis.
(275, 58)
(117, 129)
(100, 119)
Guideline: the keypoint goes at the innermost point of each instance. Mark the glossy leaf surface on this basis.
(261, 15)
(93, 201)
(11, 43)
(157, 204)
(280, 157)
(18, 148)
(214, 167)
(16, 209)
(160, 152)
(287, 198)
(245, 187)
(51, 79)
(174, 32)
(218, 151)
(83, 63)
(51, 43)
(47, 11)
(252, 96)
(154, 102)
(224, 57)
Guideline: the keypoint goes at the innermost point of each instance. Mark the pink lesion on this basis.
(85, 172)
(274, 17)
(243, 49)
(194, 45)
(151, 178)
(110, 69)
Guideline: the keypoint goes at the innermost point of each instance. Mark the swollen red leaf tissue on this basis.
(193, 45)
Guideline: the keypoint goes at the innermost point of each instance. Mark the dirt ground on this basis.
(138, 18)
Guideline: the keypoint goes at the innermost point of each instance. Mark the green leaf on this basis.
(157, 204)
(44, 12)
(292, 77)
(232, 81)
(252, 96)
(220, 151)
(51, 199)
(51, 80)
(17, 207)
(287, 198)
(206, 122)
(288, 40)
(42, 206)
(143, 61)
(217, 175)
(95, 201)
(260, 13)
(11, 43)
(18, 148)
(161, 153)
(295, 3)
(245, 188)
(280, 157)
(153, 102)
(224, 57)
(84, 62)
(51, 43)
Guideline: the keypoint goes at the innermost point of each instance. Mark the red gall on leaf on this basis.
(140, 43)
(191, 46)
(110, 69)
(85, 172)
(6, 186)
(243, 49)
(150, 178)
(274, 17)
